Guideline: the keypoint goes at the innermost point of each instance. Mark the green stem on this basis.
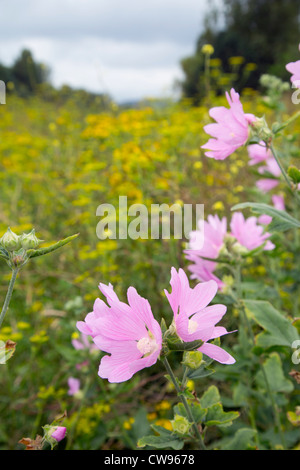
(284, 173)
(9, 294)
(185, 404)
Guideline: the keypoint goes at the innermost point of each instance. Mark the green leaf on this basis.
(197, 411)
(282, 221)
(166, 439)
(176, 345)
(216, 416)
(3, 253)
(275, 376)
(242, 440)
(279, 331)
(200, 373)
(294, 174)
(210, 397)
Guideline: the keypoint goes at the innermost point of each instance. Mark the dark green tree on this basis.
(27, 74)
(264, 32)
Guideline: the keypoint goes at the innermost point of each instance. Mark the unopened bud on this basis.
(10, 241)
(29, 241)
(261, 130)
(239, 249)
(180, 424)
(54, 434)
(192, 359)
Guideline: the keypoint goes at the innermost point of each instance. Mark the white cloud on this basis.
(129, 48)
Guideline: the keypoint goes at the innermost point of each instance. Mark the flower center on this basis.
(146, 345)
(192, 326)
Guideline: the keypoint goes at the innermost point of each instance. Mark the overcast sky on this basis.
(128, 48)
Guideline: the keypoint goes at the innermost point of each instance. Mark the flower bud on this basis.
(10, 241)
(180, 424)
(54, 434)
(192, 359)
(29, 241)
(261, 130)
(59, 433)
(239, 249)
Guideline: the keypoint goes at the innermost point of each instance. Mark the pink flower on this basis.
(128, 333)
(231, 129)
(74, 385)
(206, 242)
(271, 167)
(258, 153)
(278, 202)
(59, 433)
(294, 69)
(193, 318)
(248, 233)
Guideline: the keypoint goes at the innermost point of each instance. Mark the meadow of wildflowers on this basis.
(151, 343)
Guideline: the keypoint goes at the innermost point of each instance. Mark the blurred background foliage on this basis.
(250, 38)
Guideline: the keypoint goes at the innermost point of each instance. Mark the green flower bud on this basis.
(261, 130)
(294, 174)
(180, 424)
(192, 359)
(239, 249)
(29, 241)
(10, 241)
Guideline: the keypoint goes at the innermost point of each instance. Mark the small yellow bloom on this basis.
(207, 49)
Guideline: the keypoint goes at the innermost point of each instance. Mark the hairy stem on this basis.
(9, 294)
(185, 404)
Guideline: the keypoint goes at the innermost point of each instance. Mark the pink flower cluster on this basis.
(131, 336)
(258, 153)
(208, 241)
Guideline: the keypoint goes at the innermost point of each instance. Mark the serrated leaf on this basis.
(217, 416)
(279, 331)
(242, 440)
(277, 381)
(210, 397)
(197, 411)
(166, 439)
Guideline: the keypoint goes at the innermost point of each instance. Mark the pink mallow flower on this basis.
(271, 167)
(193, 318)
(128, 333)
(231, 129)
(258, 153)
(206, 242)
(59, 433)
(249, 233)
(278, 202)
(210, 239)
(74, 385)
(294, 69)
